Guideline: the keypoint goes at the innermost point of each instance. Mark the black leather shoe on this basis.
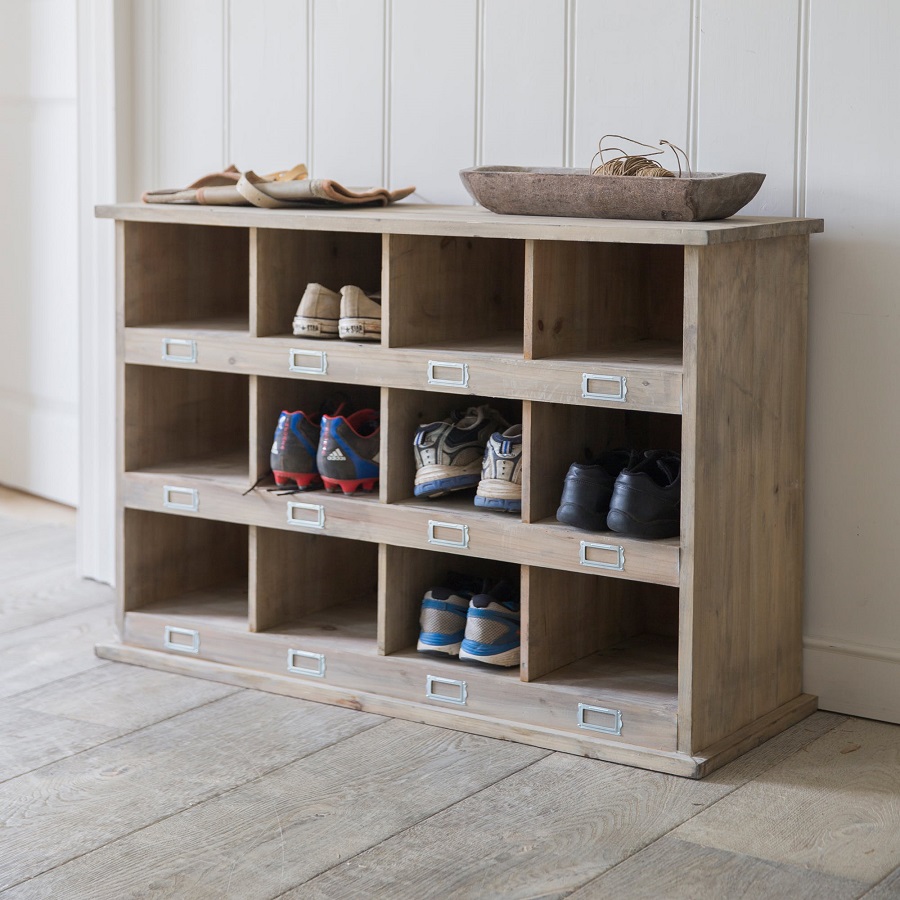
(588, 488)
(646, 498)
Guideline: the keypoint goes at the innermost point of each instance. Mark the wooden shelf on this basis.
(675, 654)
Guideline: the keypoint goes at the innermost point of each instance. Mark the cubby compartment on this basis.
(455, 293)
(574, 618)
(273, 395)
(189, 423)
(184, 567)
(605, 302)
(285, 261)
(404, 412)
(558, 435)
(406, 573)
(187, 276)
(340, 610)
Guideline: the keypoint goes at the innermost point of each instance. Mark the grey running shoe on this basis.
(318, 313)
(501, 472)
(493, 633)
(443, 615)
(449, 454)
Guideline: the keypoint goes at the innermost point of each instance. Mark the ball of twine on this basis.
(633, 164)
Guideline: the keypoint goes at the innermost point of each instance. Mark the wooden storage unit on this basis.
(675, 655)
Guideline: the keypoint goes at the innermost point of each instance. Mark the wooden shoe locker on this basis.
(676, 655)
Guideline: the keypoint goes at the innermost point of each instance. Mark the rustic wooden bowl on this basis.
(522, 191)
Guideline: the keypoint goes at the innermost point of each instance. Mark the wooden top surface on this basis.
(467, 221)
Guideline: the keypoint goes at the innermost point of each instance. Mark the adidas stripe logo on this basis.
(336, 455)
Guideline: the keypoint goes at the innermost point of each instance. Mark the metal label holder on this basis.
(617, 396)
(615, 726)
(460, 544)
(316, 671)
(170, 644)
(318, 509)
(462, 368)
(432, 680)
(191, 505)
(616, 566)
(168, 356)
(320, 367)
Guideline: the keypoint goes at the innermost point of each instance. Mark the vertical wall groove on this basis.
(802, 104)
(310, 83)
(154, 92)
(569, 88)
(478, 155)
(387, 75)
(693, 112)
(226, 83)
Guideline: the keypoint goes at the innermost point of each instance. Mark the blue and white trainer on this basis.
(493, 633)
(443, 615)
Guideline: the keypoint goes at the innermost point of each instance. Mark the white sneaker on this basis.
(360, 315)
(318, 313)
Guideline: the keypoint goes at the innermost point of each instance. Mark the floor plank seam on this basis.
(37, 687)
(117, 737)
(71, 612)
(416, 824)
(190, 806)
(702, 809)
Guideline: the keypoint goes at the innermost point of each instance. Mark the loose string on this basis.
(635, 165)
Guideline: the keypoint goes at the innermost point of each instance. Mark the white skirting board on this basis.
(852, 678)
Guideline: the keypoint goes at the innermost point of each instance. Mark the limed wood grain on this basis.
(37, 655)
(742, 484)
(281, 830)
(76, 805)
(833, 808)
(679, 870)
(468, 221)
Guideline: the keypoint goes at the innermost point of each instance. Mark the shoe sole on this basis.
(622, 523)
(305, 326)
(495, 493)
(305, 481)
(438, 649)
(435, 481)
(349, 485)
(580, 517)
(359, 329)
(512, 506)
(507, 658)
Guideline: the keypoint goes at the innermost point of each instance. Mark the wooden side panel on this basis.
(293, 574)
(584, 297)
(452, 288)
(284, 262)
(742, 540)
(175, 272)
(166, 556)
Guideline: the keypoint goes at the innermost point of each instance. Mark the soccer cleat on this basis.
(360, 315)
(293, 454)
(449, 454)
(348, 451)
(443, 615)
(318, 313)
(493, 634)
(646, 499)
(588, 488)
(501, 472)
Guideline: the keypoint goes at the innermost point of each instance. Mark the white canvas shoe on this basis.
(360, 315)
(318, 313)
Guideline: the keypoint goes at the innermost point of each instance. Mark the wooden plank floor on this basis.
(120, 782)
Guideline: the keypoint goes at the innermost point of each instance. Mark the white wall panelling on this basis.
(632, 73)
(39, 236)
(522, 120)
(266, 84)
(433, 96)
(854, 416)
(747, 97)
(409, 91)
(348, 91)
